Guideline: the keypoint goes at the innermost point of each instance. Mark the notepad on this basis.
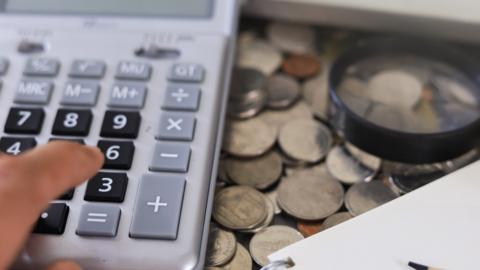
(436, 225)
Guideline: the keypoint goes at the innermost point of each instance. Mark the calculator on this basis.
(146, 81)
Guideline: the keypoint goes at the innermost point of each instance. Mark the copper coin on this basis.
(309, 228)
(301, 66)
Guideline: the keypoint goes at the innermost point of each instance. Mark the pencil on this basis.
(418, 266)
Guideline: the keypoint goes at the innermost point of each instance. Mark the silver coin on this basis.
(345, 168)
(259, 55)
(370, 161)
(283, 91)
(277, 118)
(239, 208)
(222, 172)
(249, 106)
(248, 138)
(290, 162)
(305, 140)
(247, 94)
(259, 173)
(222, 246)
(272, 196)
(310, 194)
(336, 219)
(272, 239)
(267, 221)
(292, 38)
(363, 197)
(395, 88)
(241, 260)
(315, 93)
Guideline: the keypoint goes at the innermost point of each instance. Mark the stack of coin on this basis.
(284, 174)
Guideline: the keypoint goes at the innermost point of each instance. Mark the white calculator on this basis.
(146, 81)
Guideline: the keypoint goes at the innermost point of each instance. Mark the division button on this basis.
(72, 122)
(107, 187)
(185, 72)
(120, 124)
(98, 220)
(15, 146)
(127, 95)
(33, 92)
(158, 207)
(24, 120)
(118, 155)
(127, 70)
(176, 126)
(87, 69)
(182, 97)
(80, 93)
(42, 67)
(170, 157)
(52, 220)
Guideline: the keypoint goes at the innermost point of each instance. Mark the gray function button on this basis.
(176, 126)
(185, 72)
(133, 71)
(158, 207)
(80, 93)
(33, 92)
(98, 220)
(128, 95)
(87, 69)
(181, 97)
(42, 67)
(3, 66)
(170, 157)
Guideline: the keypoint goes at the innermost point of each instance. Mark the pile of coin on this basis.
(284, 174)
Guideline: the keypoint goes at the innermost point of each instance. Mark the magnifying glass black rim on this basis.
(414, 148)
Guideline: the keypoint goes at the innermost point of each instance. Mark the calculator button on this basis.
(87, 69)
(120, 124)
(170, 157)
(42, 67)
(33, 92)
(182, 97)
(158, 207)
(80, 93)
(15, 146)
(80, 141)
(176, 126)
(67, 195)
(184, 72)
(98, 220)
(24, 120)
(72, 122)
(107, 187)
(127, 70)
(118, 155)
(3, 66)
(128, 95)
(52, 220)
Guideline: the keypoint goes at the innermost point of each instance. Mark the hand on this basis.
(30, 181)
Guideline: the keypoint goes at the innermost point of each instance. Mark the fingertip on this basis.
(64, 265)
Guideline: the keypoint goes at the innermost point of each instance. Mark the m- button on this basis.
(176, 126)
(158, 207)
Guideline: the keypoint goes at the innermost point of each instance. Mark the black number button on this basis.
(118, 155)
(80, 141)
(52, 220)
(15, 146)
(67, 195)
(24, 121)
(120, 124)
(72, 122)
(107, 187)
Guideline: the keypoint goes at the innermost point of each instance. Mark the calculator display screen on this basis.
(180, 8)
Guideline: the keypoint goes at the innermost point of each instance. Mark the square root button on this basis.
(158, 207)
(98, 220)
(170, 157)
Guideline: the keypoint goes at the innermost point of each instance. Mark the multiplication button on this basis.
(170, 157)
(158, 207)
(182, 97)
(176, 126)
(98, 220)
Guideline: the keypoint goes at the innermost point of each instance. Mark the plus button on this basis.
(157, 204)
